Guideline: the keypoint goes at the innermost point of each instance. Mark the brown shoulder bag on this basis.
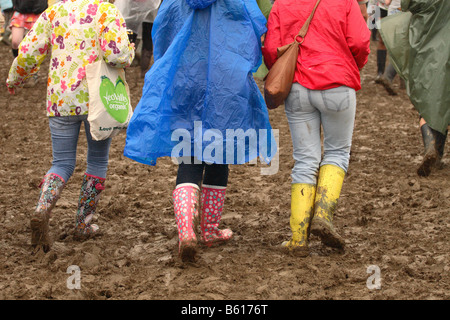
(279, 80)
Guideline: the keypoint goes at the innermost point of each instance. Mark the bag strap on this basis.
(305, 27)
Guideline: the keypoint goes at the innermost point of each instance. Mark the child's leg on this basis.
(190, 173)
(213, 199)
(216, 175)
(93, 183)
(64, 134)
(186, 207)
(17, 37)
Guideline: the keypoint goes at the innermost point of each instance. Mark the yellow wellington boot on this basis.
(329, 188)
(302, 208)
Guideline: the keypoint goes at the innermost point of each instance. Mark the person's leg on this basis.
(93, 184)
(20, 25)
(213, 198)
(434, 143)
(388, 78)
(7, 33)
(381, 52)
(304, 123)
(186, 206)
(17, 37)
(147, 47)
(64, 134)
(338, 108)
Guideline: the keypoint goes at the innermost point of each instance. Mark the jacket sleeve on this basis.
(358, 34)
(273, 37)
(114, 43)
(32, 51)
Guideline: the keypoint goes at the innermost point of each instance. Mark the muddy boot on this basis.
(328, 191)
(146, 57)
(302, 209)
(185, 201)
(388, 78)
(431, 153)
(213, 199)
(51, 188)
(440, 144)
(91, 188)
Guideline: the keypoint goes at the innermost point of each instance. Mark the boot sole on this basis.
(188, 251)
(77, 236)
(214, 244)
(429, 160)
(328, 236)
(301, 252)
(40, 232)
(388, 88)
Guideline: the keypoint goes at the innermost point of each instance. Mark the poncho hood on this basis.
(199, 4)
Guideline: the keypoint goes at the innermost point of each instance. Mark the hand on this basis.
(133, 45)
(11, 91)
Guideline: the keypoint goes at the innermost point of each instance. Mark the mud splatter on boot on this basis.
(328, 191)
(51, 188)
(185, 201)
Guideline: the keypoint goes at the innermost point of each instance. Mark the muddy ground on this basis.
(388, 215)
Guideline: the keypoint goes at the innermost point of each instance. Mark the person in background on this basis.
(7, 11)
(363, 7)
(26, 12)
(390, 73)
(382, 11)
(140, 15)
(147, 42)
(68, 32)
(421, 34)
(323, 95)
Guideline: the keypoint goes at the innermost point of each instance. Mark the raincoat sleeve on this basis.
(32, 51)
(358, 34)
(117, 50)
(273, 38)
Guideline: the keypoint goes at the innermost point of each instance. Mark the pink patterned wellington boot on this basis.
(91, 188)
(51, 188)
(213, 199)
(185, 201)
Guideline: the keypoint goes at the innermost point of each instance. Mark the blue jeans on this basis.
(308, 110)
(65, 132)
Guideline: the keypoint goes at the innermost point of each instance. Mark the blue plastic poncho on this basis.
(199, 97)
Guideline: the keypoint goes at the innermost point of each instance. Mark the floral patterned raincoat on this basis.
(75, 33)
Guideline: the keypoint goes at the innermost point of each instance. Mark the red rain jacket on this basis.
(335, 48)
